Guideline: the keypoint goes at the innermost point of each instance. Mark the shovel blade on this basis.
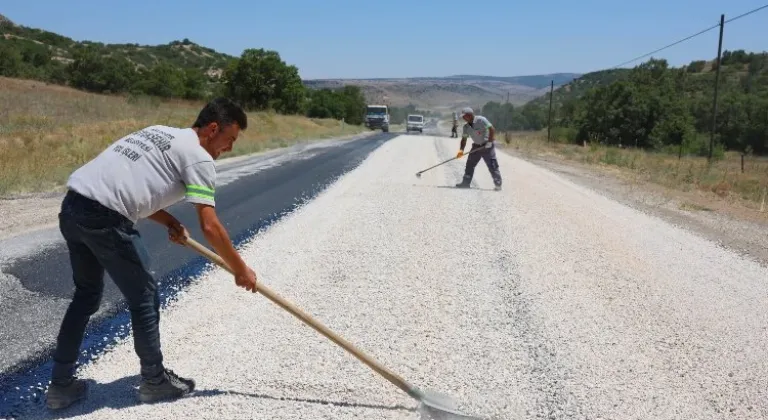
(436, 406)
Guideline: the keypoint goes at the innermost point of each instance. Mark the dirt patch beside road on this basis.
(29, 213)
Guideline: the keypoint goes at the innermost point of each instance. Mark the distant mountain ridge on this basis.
(42, 55)
(450, 92)
(535, 81)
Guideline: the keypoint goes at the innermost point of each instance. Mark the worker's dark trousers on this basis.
(489, 156)
(99, 238)
(454, 132)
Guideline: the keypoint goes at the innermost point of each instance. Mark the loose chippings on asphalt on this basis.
(544, 300)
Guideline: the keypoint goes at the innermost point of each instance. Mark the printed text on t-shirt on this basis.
(159, 139)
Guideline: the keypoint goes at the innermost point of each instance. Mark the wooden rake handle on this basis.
(307, 319)
(449, 160)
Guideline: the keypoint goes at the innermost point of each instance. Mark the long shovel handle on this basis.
(307, 319)
(435, 166)
(447, 160)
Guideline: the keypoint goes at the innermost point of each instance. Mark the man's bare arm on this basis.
(217, 236)
(176, 231)
(164, 218)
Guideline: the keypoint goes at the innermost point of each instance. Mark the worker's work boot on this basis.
(165, 386)
(497, 188)
(63, 395)
(462, 184)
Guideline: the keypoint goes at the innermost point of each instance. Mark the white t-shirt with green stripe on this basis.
(148, 170)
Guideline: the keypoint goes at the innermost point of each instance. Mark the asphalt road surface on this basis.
(544, 300)
(252, 192)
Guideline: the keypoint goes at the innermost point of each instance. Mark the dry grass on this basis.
(46, 131)
(722, 180)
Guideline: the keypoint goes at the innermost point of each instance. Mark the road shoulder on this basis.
(738, 229)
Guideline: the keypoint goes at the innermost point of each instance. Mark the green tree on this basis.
(324, 103)
(163, 80)
(696, 66)
(347, 102)
(194, 84)
(11, 62)
(290, 93)
(90, 71)
(260, 80)
(354, 104)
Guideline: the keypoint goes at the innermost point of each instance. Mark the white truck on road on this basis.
(414, 122)
(377, 116)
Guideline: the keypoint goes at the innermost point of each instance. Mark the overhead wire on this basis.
(702, 32)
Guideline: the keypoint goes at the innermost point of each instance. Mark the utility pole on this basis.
(717, 85)
(549, 118)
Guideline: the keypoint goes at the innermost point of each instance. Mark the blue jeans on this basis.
(101, 239)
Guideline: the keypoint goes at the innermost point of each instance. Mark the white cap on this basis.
(466, 111)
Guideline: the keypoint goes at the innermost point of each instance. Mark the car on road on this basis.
(414, 122)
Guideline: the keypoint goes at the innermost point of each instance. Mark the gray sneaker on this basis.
(497, 188)
(62, 396)
(167, 386)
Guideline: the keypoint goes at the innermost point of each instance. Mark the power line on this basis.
(691, 36)
(668, 46)
(748, 13)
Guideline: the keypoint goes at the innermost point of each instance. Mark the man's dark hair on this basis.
(223, 111)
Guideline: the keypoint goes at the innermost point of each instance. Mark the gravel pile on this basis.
(544, 300)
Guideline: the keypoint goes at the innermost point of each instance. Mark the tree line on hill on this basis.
(652, 106)
(259, 79)
(656, 107)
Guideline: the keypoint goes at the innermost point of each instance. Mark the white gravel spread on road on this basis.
(545, 300)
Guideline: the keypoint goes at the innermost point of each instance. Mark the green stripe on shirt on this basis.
(199, 191)
(200, 188)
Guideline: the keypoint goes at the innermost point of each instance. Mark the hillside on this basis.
(578, 87)
(49, 45)
(657, 106)
(446, 94)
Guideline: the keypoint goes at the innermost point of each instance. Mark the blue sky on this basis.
(348, 39)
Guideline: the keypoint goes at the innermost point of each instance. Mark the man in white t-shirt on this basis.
(134, 178)
(483, 137)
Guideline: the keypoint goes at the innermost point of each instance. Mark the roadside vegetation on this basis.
(653, 122)
(657, 107)
(721, 179)
(63, 101)
(46, 131)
